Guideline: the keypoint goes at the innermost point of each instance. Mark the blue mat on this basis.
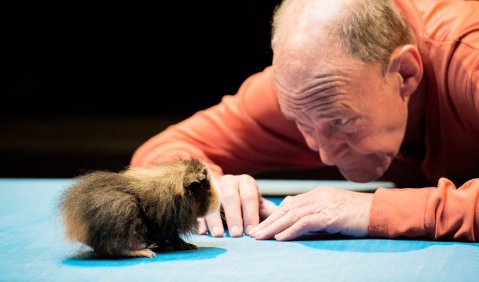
(33, 248)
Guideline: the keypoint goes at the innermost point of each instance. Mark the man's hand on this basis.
(324, 209)
(242, 205)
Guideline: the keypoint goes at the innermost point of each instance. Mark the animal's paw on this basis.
(142, 253)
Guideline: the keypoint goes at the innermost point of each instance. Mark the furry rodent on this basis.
(138, 211)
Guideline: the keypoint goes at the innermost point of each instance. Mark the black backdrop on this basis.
(87, 84)
(168, 59)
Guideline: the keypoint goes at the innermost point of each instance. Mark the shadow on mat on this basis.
(90, 259)
(339, 243)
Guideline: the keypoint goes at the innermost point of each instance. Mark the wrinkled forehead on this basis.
(299, 66)
(300, 88)
(290, 83)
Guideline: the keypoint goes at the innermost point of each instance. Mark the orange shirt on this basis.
(246, 132)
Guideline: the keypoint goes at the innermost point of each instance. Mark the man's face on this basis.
(346, 109)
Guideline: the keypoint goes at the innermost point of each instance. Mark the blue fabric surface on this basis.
(33, 248)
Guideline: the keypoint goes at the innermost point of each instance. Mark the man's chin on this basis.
(362, 175)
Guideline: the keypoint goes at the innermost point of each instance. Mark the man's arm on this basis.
(436, 213)
(442, 212)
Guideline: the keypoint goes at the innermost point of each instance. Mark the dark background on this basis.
(86, 85)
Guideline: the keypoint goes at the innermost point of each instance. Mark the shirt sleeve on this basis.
(244, 133)
(442, 212)
(463, 81)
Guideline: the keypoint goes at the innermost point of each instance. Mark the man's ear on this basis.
(407, 62)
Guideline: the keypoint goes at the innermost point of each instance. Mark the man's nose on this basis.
(330, 150)
(328, 157)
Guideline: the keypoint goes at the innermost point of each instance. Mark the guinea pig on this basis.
(139, 211)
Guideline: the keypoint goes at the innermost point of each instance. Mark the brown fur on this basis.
(120, 214)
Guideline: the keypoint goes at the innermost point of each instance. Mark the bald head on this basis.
(297, 23)
(368, 30)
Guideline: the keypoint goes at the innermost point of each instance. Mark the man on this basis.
(361, 83)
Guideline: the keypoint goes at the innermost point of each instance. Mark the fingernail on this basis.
(256, 235)
(201, 230)
(235, 231)
(216, 232)
(249, 229)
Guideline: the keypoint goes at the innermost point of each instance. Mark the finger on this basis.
(202, 228)
(289, 218)
(230, 199)
(249, 196)
(215, 225)
(308, 223)
(274, 227)
(278, 213)
(266, 208)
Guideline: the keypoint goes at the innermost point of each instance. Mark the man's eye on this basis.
(340, 121)
(304, 127)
